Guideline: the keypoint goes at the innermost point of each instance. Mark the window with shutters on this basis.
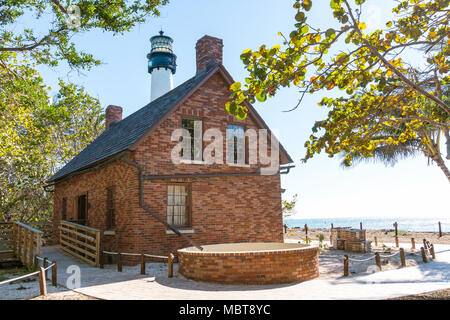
(178, 205)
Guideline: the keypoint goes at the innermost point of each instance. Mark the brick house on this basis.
(125, 183)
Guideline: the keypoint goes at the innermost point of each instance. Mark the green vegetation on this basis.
(38, 135)
(388, 108)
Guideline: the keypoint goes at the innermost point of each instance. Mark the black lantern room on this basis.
(161, 55)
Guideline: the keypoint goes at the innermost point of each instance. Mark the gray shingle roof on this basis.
(125, 133)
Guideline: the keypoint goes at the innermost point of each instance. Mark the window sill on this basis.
(239, 165)
(109, 233)
(168, 231)
(184, 161)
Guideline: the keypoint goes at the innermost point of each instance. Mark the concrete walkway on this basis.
(109, 284)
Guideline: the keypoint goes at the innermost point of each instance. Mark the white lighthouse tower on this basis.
(161, 65)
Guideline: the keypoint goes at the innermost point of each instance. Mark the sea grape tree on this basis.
(384, 100)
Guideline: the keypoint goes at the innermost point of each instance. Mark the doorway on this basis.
(82, 209)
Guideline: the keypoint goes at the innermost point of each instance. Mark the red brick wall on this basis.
(224, 209)
(268, 267)
(208, 48)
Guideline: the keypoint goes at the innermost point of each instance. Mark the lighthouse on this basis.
(161, 65)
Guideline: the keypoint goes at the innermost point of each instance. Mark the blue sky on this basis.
(410, 189)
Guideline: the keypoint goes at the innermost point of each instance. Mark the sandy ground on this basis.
(433, 295)
(66, 295)
(330, 266)
(383, 236)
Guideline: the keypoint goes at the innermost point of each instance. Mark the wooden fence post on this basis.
(54, 275)
(402, 257)
(413, 244)
(376, 242)
(98, 248)
(396, 241)
(424, 255)
(30, 257)
(38, 244)
(170, 265)
(345, 265)
(332, 227)
(395, 226)
(440, 230)
(142, 264)
(42, 282)
(306, 231)
(19, 241)
(45, 264)
(360, 225)
(433, 254)
(119, 262)
(25, 246)
(378, 260)
(331, 240)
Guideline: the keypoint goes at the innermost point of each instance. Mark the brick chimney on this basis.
(209, 50)
(113, 115)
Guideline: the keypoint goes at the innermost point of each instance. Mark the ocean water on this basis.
(405, 224)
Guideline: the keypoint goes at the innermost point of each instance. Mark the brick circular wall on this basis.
(250, 263)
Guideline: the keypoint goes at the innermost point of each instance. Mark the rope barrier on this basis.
(136, 254)
(42, 259)
(107, 252)
(49, 267)
(153, 256)
(21, 277)
(389, 256)
(361, 260)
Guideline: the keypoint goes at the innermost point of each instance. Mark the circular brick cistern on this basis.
(250, 263)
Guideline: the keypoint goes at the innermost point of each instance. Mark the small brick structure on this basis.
(250, 263)
(351, 240)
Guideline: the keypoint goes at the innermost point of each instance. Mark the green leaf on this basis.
(261, 96)
(235, 86)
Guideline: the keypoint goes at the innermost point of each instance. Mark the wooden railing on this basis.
(26, 243)
(42, 273)
(6, 240)
(80, 241)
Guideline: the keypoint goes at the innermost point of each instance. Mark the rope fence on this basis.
(437, 225)
(427, 252)
(170, 258)
(41, 273)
